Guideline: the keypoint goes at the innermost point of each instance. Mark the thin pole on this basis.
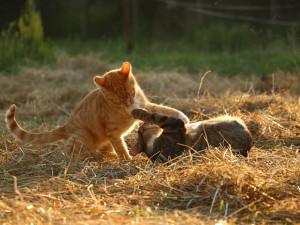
(129, 45)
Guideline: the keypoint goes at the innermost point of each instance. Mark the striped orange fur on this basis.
(101, 119)
(28, 137)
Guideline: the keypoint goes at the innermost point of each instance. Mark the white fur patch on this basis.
(184, 118)
(97, 85)
(136, 104)
(150, 144)
(192, 127)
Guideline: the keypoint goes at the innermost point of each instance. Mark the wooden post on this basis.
(129, 45)
(273, 10)
(84, 18)
(36, 4)
(135, 18)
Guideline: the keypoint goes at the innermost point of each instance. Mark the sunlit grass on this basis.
(39, 185)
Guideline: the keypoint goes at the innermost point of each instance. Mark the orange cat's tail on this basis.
(32, 138)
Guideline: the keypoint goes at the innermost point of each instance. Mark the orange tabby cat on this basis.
(101, 119)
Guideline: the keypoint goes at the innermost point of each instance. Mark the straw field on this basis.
(41, 185)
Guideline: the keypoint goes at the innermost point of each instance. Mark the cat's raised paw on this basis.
(138, 113)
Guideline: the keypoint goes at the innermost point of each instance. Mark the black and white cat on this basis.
(163, 137)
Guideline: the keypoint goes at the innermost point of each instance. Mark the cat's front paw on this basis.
(127, 158)
(138, 113)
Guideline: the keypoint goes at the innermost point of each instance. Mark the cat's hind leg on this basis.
(77, 148)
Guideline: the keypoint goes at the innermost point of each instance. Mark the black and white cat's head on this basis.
(147, 133)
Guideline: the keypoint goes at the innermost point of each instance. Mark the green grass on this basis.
(15, 54)
(184, 56)
(163, 56)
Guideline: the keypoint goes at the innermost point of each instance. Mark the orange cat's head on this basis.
(119, 86)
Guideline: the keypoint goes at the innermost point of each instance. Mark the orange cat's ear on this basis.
(99, 81)
(126, 68)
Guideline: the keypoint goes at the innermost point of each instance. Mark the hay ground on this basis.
(38, 185)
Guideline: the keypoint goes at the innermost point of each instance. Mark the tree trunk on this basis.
(273, 10)
(135, 18)
(84, 18)
(129, 45)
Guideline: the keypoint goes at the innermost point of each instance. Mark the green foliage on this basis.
(226, 50)
(230, 50)
(30, 27)
(219, 37)
(22, 42)
(184, 56)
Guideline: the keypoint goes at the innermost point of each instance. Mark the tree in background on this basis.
(30, 30)
(23, 40)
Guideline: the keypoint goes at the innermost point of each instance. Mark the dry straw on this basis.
(42, 185)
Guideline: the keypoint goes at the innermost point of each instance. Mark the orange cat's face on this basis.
(119, 86)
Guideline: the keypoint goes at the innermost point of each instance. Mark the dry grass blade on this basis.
(40, 185)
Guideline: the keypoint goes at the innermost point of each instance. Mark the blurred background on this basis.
(229, 37)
